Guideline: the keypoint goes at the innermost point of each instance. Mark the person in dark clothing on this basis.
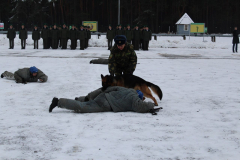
(55, 36)
(59, 36)
(110, 36)
(23, 35)
(73, 34)
(81, 36)
(235, 40)
(136, 38)
(11, 34)
(147, 36)
(129, 34)
(120, 31)
(64, 34)
(35, 36)
(45, 37)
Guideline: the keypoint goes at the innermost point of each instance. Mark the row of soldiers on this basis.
(139, 37)
(53, 37)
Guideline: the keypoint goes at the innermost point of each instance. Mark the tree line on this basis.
(219, 16)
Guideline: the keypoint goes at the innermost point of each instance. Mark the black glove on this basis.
(154, 110)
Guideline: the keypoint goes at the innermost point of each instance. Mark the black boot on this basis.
(54, 104)
(2, 76)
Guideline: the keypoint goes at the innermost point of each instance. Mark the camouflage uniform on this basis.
(122, 61)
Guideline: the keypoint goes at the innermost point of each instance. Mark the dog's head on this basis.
(106, 81)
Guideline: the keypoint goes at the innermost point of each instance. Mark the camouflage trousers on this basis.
(8, 75)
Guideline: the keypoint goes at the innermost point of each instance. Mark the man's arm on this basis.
(41, 76)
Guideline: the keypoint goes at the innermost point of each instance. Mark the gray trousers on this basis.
(8, 75)
(99, 104)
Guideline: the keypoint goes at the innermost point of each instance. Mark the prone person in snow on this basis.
(131, 81)
(25, 75)
(113, 99)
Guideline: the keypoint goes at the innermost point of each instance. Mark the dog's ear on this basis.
(101, 76)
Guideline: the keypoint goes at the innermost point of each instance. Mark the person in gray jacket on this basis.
(115, 98)
(25, 75)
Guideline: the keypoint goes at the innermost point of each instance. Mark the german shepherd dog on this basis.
(131, 81)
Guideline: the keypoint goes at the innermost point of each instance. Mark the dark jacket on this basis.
(235, 37)
(25, 74)
(64, 33)
(146, 35)
(45, 33)
(73, 34)
(35, 34)
(11, 34)
(82, 34)
(129, 34)
(136, 34)
(110, 34)
(23, 33)
(55, 33)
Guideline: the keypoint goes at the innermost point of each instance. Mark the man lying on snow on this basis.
(25, 75)
(116, 99)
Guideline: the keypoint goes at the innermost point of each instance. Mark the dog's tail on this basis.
(157, 90)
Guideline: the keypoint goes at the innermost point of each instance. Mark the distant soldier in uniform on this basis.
(110, 36)
(25, 75)
(11, 34)
(147, 36)
(45, 36)
(141, 38)
(23, 35)
(64, 34)
(55, 36)
(73, 34)
(35, 36)
(136, 37)
(129, 34)
(120, 31)
(86, 38)
(81, 36)
(122, 59)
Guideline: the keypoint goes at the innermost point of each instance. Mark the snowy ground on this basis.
(200, 116)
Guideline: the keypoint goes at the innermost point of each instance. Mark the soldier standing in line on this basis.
(64, 34)
(23, 35)
(35, 36)
(136, 37)
(45, 36)
(129, 34)
(73, 37)
(11, 34)
(81, 36)
(110, 36)
(55, 36)
(120, 31)
(147, 36)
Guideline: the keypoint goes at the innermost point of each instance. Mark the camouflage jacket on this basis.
(122, 60)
